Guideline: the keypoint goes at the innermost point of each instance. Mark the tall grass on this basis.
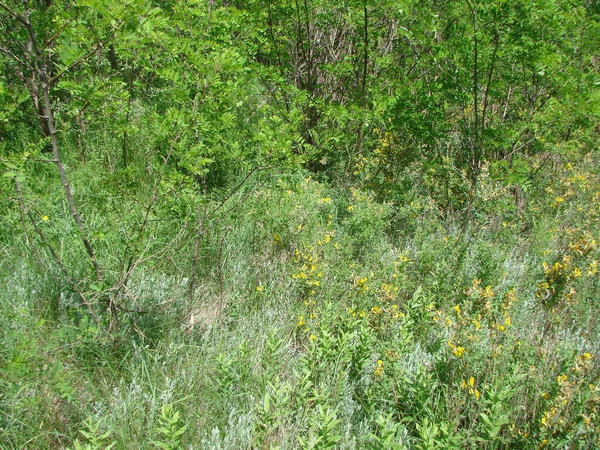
(320, 318)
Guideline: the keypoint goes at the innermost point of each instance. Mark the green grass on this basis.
(319, 322)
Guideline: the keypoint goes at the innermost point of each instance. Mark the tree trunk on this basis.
(44, 106)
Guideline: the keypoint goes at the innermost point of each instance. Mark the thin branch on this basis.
(234, 190)
(489, 80)
(7, 52)
(138, 311)
(47, 119)
(13, 14)
(141, 259)
(366, 52)
(155, 197)
(546, 159)
(50, 40)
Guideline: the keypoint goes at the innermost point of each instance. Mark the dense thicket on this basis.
(307, 223)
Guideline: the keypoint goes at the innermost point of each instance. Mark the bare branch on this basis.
(10, 54)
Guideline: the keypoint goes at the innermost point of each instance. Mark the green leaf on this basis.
(266, 402)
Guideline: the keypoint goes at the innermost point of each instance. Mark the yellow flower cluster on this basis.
(366, 165)
(388, 292)
(311, 265)
(573, 391)
(377, 312)
(469, 386)
(584, 245)
(557, 287)
(327, 239)
(558, 201)
(481, 296)
(309, 272)
(507, 303)
(457, 350)
(361, 284)
(473, 322)
(378, 372)
(555, 276)
(362, 166)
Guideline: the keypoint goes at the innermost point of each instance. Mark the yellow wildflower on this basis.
(488, 292)
(458, 351)
(379, 369)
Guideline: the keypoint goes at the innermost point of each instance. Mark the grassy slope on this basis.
(322, 319)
